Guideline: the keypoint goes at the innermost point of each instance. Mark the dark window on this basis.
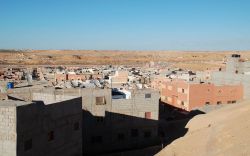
(147, 134)
(147, 96)
(76, 126)
(27, 145)
(100, 100)
(207, 103)
(120, 136)
(183, 90)
(96, 139)
(51, 136)
(219, 102)
(134, 132)
(234, 101)
(182, 103)
(99, 119)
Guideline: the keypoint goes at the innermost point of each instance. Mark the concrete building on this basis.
(119, 77)
(111, 125)
(41, 129)
(237, 72)
(191, 95)
(108, 124)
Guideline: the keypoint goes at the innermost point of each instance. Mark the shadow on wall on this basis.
(173, 121)
(117, 134)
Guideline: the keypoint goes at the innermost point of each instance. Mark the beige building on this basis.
(106, 124)
(117, 124)
(41, 129)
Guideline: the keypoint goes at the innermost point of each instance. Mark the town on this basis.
(75, 110)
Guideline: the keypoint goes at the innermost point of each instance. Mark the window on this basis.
(100, 100)
(76, 126)
(96, 139)
(182, 103)
(234, 101)
(27, 144)
(229, 102)
(147, 96)
(207, 103)
(51, 136)
(148, 115)
(120, 136)
(147, 134)
(134, 132)
(99, 119)
(183, 90)
(219, 102)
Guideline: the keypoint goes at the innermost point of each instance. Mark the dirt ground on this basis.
(182, 59)
(223, 132)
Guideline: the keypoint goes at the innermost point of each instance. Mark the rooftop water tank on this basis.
(10, 85)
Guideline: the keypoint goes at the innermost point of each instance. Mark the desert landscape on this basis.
(188, 60)
(124, 78)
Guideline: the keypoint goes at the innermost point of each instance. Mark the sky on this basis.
(125, 24)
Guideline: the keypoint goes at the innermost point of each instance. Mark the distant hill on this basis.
(202, 60)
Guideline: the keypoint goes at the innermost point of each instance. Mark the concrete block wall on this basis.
(50, 97)
(37, 121)
(8, 135)
(232, 78)
(119, 116)
(89, 101)
(143, 104)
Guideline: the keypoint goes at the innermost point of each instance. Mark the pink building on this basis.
(191, 95)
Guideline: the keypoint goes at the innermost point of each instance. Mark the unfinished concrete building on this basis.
(237, 72)
(111, 125)
(39, 128)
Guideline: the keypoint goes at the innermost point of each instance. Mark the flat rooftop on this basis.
(14, 103)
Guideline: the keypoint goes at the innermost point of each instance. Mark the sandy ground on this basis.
(223, 132)
(186, 60)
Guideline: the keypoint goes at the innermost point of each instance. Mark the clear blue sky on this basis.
(125, 24)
